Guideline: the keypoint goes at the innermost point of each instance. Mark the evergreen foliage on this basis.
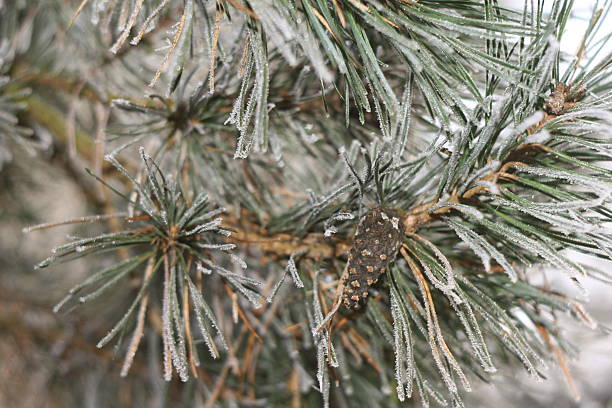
(245, 141)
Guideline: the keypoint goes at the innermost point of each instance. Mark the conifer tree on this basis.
(313, 203)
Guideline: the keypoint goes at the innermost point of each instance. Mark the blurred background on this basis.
(50, 360)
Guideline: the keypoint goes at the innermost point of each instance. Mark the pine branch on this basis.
(307, 123)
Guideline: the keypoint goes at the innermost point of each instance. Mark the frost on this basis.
(202, 269)
(198, 203)
(237, 281)
(225, 233)
(207, 215)
(172, 352)
(61, 303)
(239, 261)
(289, 269)
(146, 25)
(325, 349)
(448, 287)
(602, 189)
(482, 248)
(220, 247)
(126, 29)
(539, 137)
(510, 135)
(257, 104)
(466, 209)
(181, 358)
(136, 337)
(456, 143)
(308, 135)
(505, 329)
(551, 215)
(113, 332)
(277, 152)
(294, 272)
(330, 229)
(164, 216)
(402, 343)
(538, 247)
(212, 225)
(277, 28)
(436, 343)
(107, 285)
(200, 305)
(489, 185)
(490, 167)
(121, 103)
(145, 201)
(472, 329)
(403, 120)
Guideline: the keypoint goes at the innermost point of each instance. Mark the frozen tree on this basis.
(337, 203)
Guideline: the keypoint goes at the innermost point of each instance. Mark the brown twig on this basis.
(244, 319)
(559, 356)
